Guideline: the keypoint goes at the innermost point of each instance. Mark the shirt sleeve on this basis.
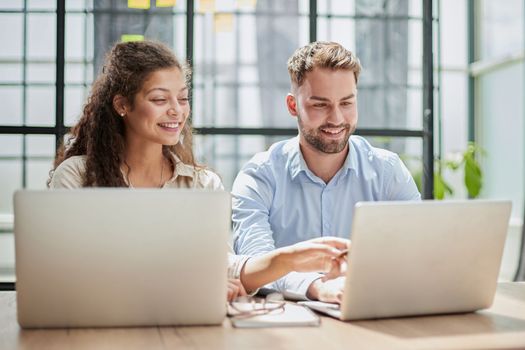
(235, 266)
(69, 174)
(399, 183)
(252, 195)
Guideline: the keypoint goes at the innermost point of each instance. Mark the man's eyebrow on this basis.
(319, 98)
(348, 97)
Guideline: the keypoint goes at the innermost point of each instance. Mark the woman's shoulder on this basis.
(188, 176)
(205, 178)
(69, 174)
(200, 176)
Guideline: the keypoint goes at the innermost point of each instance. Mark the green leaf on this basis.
(441, 187)
(472, 177)
(472, 171)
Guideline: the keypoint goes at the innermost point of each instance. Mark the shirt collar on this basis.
(181, 169)
(296, 161)
(297, 164)
(351, 158)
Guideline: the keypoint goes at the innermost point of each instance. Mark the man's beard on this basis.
(315, 137)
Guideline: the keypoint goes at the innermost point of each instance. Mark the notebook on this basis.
(292, 315)
(120, 257)
(419, 258)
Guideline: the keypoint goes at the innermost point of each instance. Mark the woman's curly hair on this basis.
(100, 132)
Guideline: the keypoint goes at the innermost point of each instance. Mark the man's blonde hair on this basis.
(321, 54)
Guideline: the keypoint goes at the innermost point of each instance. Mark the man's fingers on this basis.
(334, 272)
(339, 297)
(331, 290)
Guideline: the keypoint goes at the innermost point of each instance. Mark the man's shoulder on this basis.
(372, 154)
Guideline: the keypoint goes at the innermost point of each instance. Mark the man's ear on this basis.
(120, 105)
(291, 104)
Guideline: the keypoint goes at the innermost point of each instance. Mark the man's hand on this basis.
(338, 268)
(330, 291)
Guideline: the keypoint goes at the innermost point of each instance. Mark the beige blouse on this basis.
(70, 174)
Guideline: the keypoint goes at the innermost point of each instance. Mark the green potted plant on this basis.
(473, 176)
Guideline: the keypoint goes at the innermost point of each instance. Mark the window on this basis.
(238, 48)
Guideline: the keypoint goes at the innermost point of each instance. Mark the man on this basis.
(307, 186)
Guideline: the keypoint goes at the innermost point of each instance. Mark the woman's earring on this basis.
(122, 114)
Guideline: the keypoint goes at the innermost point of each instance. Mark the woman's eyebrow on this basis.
(157, 88)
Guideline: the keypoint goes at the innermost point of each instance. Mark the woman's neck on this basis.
(145, 165)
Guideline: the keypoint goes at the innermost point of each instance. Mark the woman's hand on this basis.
(235, 289)
(319, 254)
(316, 255)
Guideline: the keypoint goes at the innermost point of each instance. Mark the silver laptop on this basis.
(419, 258)
(120, 257)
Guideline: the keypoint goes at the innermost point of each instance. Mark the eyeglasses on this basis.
(247, 306)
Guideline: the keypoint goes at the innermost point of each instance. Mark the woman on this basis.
(134, 132)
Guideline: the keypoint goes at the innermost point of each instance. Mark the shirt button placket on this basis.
(325, 211)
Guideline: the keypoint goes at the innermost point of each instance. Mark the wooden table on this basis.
(502, 326)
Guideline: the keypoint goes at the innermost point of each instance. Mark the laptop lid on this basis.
(430, 257)
(120, 257)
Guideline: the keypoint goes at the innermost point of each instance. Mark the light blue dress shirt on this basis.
(278, 201)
